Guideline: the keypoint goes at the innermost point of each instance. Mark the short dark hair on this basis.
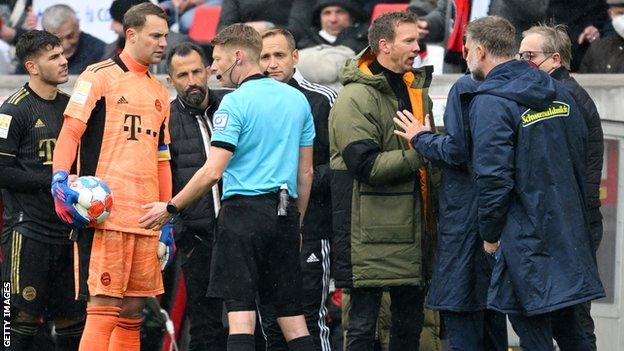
(137, 15)
(185, 49)
(496, 34)
(240, 35)
(292, 45)
(383, 27)
(31, 44)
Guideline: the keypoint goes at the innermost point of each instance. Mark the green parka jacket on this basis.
(383, 220)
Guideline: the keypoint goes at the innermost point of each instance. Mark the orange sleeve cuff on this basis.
(67, 144)
(165, 181)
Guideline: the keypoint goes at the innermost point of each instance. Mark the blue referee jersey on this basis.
(264, 122)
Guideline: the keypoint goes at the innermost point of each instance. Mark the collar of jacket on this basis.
(560, 73)
(356, 70)
(293, 83)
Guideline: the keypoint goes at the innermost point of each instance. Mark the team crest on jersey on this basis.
(158, 105)
(5, 123)
(556, 109)
(220, 120)
(29, 293)
(105, 278)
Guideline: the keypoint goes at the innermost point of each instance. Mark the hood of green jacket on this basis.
(352, 72)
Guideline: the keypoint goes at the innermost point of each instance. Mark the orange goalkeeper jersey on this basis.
(126, 110)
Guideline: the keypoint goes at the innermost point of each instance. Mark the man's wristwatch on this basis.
(172, 209)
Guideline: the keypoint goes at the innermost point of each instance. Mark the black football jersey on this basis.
(29, 127)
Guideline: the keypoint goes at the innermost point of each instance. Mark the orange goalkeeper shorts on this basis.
(123, 264)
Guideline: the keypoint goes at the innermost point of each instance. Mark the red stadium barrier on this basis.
(205, 22)
(383, 8)
(177, 312)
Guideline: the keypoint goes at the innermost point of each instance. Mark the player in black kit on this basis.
(38, 255)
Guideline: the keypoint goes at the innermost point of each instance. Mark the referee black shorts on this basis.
(256, 253)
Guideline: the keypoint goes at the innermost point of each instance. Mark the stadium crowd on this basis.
(310, 203)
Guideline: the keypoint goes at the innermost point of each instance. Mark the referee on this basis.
(279, 56)
(262, 141)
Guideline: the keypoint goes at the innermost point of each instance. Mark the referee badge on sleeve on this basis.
(220, 120)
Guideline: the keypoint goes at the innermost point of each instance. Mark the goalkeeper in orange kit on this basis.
(118, 114)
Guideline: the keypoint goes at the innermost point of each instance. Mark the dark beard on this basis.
(51, 81)
(194, 99)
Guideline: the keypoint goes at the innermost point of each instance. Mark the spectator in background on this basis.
(446, 23)
(337, 22)
(81, 49)
(583, 18)
(294, 15)
(549, 49)
(606, 55)
(339, 32)
(14, 20)
(117, 10)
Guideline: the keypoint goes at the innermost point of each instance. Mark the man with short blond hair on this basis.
(278, 59)
(118, 114)
(262, 147)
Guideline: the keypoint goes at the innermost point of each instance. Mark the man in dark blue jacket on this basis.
(528, 141)
(462, 269)
(549, 48)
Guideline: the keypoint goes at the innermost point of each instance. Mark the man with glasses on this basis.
(528, 56)
(528, 159)
(548, 48)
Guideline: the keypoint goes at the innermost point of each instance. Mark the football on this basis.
(95, 199)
